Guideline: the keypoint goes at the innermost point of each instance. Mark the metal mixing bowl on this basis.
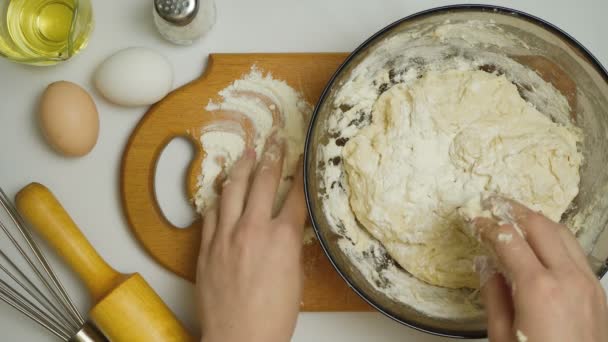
(577, 74)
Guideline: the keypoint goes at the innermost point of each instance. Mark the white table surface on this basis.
(89, 187)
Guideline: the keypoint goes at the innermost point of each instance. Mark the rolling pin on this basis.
(126, 308)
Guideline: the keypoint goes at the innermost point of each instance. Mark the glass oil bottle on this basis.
(44, 32)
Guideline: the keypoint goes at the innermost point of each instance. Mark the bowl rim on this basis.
(442, 9)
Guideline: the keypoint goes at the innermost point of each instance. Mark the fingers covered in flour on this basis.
(267, 179)
(542, 234)
(234, 191)
(553, 242)
(512, 251)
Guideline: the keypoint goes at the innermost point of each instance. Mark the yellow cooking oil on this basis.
(48, 29)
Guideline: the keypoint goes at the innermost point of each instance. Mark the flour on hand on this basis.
(252, 108)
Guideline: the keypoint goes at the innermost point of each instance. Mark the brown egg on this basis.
(69, 119)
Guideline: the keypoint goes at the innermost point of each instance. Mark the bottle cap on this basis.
(177, 12)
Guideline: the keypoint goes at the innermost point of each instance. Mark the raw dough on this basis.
(437, 143)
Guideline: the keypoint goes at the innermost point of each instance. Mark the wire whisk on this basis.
(29, 284)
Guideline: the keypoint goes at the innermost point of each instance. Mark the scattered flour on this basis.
(486, 268)
(252, 108)
(505, 237)
(521, 337)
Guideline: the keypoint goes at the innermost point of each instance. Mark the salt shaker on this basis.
(184, 21)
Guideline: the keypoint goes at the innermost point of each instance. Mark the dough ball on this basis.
(436, 144)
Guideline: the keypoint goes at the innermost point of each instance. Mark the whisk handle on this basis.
(48, 218)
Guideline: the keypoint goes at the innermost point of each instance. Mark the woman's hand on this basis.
(546, 290)
(249, 278)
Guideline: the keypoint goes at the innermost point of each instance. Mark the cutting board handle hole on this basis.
(170, 182)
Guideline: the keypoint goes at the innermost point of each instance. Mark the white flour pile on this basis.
(251, 109)
(420, 127)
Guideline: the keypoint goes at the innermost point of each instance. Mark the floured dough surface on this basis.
(436, 143)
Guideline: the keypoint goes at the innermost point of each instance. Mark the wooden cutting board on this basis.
(182, 114)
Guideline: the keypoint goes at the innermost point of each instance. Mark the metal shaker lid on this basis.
(177, 12)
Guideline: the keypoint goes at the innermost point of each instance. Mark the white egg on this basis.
(134, 77)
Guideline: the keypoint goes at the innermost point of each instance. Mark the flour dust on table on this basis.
(427, 123)
(252, 109)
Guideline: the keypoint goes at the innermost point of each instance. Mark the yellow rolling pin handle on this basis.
(126, 308)
(47, 216)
